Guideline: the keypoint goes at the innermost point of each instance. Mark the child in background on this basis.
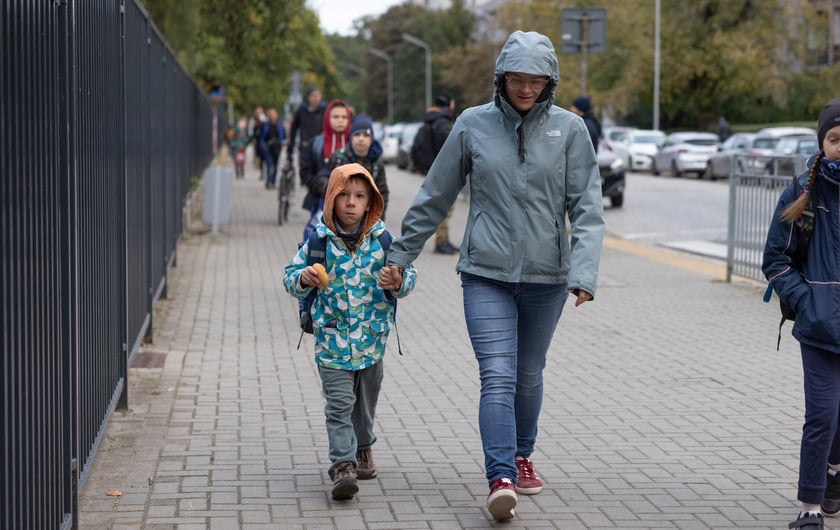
(351, 319)
(313, 156)
(810, 285)
(363, 149)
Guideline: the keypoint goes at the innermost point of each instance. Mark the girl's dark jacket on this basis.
(811, 288)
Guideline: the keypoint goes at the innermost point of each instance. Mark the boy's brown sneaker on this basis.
(344, 481)
(365, 468)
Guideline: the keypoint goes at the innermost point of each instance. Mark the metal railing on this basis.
(755, 184)
(102, 132)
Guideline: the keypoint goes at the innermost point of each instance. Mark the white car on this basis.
(685, 152)
(637, 148)
(613, 136)
(391, 142)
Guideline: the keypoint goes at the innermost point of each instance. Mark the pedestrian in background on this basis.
(257, 120)
(313, 156)
(808, 281)
(437, 124)
(350, 341)
(530, 165)
(582, 106)
(237, 143)
(308, 121)
(272, 138)
(363, 149)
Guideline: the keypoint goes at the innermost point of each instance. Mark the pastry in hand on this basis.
(323, 279)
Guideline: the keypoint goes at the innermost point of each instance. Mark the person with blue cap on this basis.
(582, 106)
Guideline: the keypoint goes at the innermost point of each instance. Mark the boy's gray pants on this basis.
(351, 398)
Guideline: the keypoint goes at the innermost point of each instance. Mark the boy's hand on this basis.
(309, 277)
(390, 277)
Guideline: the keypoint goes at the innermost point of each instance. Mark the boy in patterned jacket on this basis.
(351, 319)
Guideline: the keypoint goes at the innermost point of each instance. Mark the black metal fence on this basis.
(101, 133)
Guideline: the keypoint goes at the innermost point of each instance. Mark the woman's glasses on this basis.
(536, 83)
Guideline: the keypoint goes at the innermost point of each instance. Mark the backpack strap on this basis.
(316, 249)
(316, 252)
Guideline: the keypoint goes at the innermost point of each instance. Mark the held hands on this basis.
(390, 277)
(582, 296)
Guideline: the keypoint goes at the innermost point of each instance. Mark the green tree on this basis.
(442, 30)
(730, 57)
(250, 46)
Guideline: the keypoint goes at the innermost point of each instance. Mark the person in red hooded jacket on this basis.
(335, 136)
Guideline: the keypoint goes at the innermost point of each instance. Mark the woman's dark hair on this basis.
(793, 211)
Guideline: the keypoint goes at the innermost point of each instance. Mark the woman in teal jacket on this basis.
(530, 165)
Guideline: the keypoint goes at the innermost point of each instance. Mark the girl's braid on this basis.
(794, 210)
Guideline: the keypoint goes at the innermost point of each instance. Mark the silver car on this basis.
(720, 163)
(637, 148)
(685, 152)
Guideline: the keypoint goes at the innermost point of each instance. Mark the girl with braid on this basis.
(809, 282)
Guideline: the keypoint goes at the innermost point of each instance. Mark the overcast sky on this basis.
(337, 16)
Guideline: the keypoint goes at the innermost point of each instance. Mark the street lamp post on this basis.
(656, 23)
(387, 58)
(414, 40)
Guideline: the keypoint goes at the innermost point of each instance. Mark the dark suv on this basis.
(611, 168)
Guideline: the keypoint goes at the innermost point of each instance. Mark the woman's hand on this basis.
(582, 296)
(390, 277)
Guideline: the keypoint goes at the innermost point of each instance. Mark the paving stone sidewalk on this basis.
(666, 404)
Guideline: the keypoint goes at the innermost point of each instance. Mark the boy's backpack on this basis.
(317, 253)
(427, 144)
(803, 230)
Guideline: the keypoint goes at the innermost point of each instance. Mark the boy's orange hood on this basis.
(338, 179)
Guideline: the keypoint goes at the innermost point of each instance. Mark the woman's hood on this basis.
(530, 53)
(338, 179)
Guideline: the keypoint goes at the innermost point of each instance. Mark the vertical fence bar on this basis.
(33, 225)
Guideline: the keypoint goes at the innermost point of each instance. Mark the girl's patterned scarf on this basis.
(830, 169)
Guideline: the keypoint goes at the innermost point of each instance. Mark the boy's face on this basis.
(831, 144)
(352, 203)
(339, 119)
(361, 143)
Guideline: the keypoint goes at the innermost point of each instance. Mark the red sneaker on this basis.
(502, 499)
(527, 482)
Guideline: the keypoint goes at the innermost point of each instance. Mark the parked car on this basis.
(611, 169)
(409, 131)
(788, 151)
(720, 163)
(379, 130)
(611, 136)
(685, 152)
(637, 148)
(391, 142)
(765, 143)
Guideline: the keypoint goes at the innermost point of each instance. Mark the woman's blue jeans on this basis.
(511, 326)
